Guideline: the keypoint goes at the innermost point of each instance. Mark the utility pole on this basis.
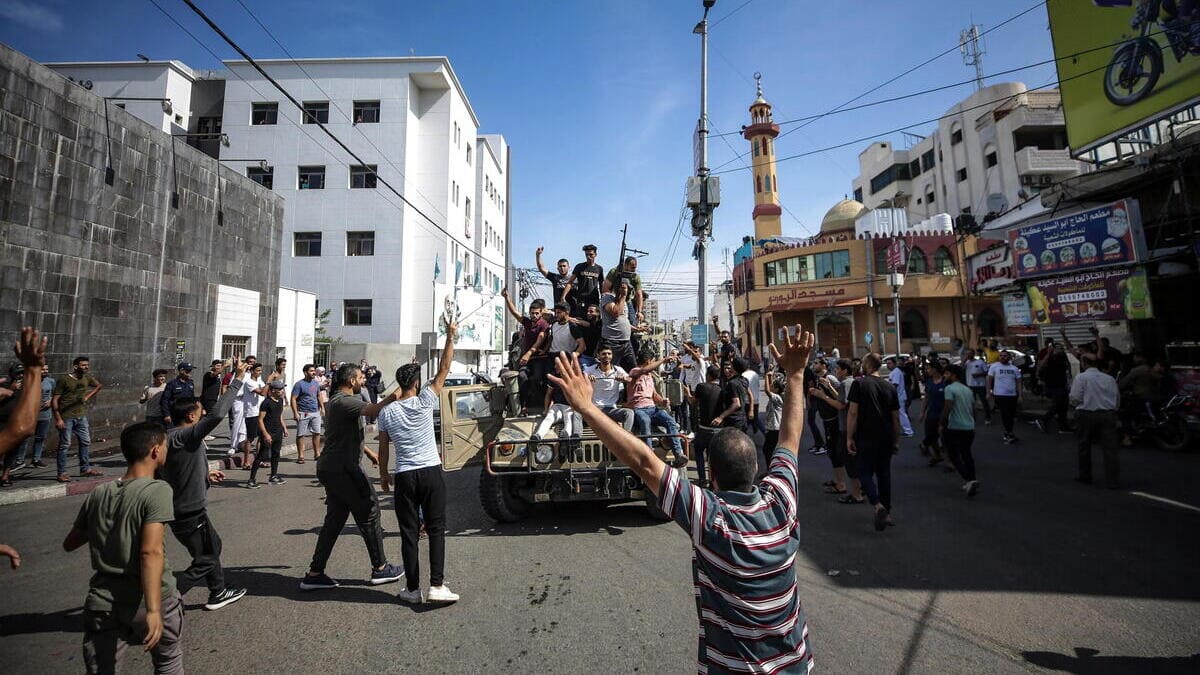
(703, 190)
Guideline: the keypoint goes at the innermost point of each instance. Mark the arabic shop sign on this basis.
(990, 269)
(1016, 310)
(1105, 295)
(1099, 237)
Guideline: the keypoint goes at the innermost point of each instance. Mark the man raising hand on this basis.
(745, 535)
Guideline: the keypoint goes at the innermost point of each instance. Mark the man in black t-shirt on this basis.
(1054, 371)
(707, 398)
(583, 286)
(873, 436)
(735, 397)
(558, 279)
(589, 329)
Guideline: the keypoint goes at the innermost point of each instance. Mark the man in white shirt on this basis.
(607, 381)
(976, 368)
(1097, 399)
(693, 366)
(754, 386)
(1004, 385)
(247, 406)
(564, 336)
(407, 423)
(896, 377)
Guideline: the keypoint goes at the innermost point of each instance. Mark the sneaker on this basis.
(20, 466)
(412, 597)
(818, 451)
(317, 582)
(973, 488)
(441, 594)
(230, 452)
(909, 434)
(225, 597)
(63, 478)
(39, 464)
(681, 461)
(252, 484)
(277, 480)
(210, 438)
(880, 519)
(387, 575)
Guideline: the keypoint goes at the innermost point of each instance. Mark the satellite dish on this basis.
(997, 203)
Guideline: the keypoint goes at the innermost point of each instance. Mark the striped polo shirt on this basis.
(409, 425)
(744, 548)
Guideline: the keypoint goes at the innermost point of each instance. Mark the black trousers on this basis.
(1098, 426)
(814, 428)
(196, 533)
(532, 380)
(268, 451)
(700, 449)
(833, 443)
(770, 442)
(874, 467)
(958, 449)
(1007, 405)
(981, 394)
(424, 489)
(1058, 396)
(348, 493)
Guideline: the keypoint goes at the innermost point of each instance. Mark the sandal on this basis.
(300, 460)
(834, 490)
(849, 499)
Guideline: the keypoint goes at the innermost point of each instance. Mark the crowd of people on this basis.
(744, 413)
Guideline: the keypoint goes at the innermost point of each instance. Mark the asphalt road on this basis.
(1037, 572)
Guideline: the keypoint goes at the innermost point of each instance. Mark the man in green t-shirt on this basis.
(958, 427)
(69, 404)
(628, 271)
(123, 523)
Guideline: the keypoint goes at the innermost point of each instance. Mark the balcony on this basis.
(1033, 160)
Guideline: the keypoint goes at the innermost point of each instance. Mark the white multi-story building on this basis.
(995, 149)
(381, 266)
(650, 310)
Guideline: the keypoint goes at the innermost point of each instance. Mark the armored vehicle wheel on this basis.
(500, 500)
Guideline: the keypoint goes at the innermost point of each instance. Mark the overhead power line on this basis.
(897, 77)
(380, 179)
(869, 137)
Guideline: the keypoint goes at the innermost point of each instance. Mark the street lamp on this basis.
(896, 280)
(109, 174)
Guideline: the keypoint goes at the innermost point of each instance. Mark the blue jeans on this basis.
(643, 418)
(82, 431)
(38, 441)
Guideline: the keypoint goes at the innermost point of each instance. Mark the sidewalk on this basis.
(33, 484)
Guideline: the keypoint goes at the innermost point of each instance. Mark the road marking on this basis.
(1171, 502)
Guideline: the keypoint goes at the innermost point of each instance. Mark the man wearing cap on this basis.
(271, 432)
(180, 387)
(584, 283)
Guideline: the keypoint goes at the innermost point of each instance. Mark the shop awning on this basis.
(812, 303)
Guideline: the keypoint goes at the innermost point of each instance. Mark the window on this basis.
(238, 345)
(830, 265)
(858, 196)
(881, 260)
(306, 244)
(264, 113)
(913, 324)
(756, 146)
(208, 128)
(914, 168)
(766, 146)
(366, 112)
(990, 159)
(930, 195)
(961, 174)
(890, 175)
(767, 182)
(468, 155)
(363, 176)
(943, 262)
(927, 162)
(356, 312)
(311, 178)
(956, 136)
(457, 135)
(360, 243)
(467, 210)
(264, 177)
(316, 111)
(917, 264)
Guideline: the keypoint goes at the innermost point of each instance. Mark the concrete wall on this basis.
(114, 272)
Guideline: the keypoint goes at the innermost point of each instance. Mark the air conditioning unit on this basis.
(1046, 180)
(1028, 180)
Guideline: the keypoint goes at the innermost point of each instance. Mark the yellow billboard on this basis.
(1149, 64)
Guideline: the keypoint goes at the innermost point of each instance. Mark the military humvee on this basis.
(481, 428)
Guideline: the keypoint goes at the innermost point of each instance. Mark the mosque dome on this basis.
(842, 216)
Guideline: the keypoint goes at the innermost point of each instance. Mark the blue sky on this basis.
(599, 98)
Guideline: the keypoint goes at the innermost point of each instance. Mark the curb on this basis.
(82, 487)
